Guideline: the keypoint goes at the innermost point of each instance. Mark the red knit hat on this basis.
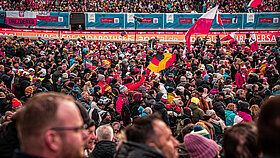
(15, 102)
(200, 147)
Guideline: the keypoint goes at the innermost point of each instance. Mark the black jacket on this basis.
(160, 107)
(19, 154)
(219, 106)
(138, 150)
(8, 140)
(104, 149)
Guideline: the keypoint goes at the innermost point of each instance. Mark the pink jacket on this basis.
(120, 102)
(239, 80)
(246, 117)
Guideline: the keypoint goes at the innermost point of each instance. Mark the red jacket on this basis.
(132, 87)
(240, 80)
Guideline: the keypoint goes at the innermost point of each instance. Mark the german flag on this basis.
(212, 43)
(108, 61)
(181, 44)
(161, 61)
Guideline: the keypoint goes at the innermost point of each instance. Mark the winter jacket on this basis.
(202, 104)
(135, 86)
(138, 150)
(121, 100)
(170, 83)
(8, 140)
(197, 112)
(229, 115)
(219, 107)
(104, 149)
(160, 107)
(240, 80)
(246, 117)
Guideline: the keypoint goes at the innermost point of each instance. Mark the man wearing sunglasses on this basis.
(50, 125)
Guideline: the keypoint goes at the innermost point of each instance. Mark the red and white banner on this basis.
(21, 18)
(253, 42)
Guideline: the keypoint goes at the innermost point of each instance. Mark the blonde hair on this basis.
(230, 106)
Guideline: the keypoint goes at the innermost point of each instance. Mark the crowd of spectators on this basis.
(206, 90)
(138, 6)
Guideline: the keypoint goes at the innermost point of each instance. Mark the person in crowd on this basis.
(148, 137)
(105, 147)
(246, 147)
(268, 128)
(47, 119)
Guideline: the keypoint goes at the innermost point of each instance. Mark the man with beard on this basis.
(148, 137)
(50, 125)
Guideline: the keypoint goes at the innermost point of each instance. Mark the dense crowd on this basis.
(125, 6)
(207, 91)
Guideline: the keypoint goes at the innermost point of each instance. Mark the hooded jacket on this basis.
(197, 112)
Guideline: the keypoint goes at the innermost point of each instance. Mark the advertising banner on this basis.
(261, 36)
(21, 18)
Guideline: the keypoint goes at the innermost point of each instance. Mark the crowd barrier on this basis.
(150, 22)
(262, 36)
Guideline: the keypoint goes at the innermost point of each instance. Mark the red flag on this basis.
(253, 42)
(255, 3)
(202, 25)
(219, 19)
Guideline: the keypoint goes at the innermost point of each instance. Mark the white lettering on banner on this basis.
(60, 19)
(43, 13)
(273, 38)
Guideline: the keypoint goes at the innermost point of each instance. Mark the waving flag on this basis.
(253, 42)
(161, 61)
(255, 3)
(231, 37)
(219, 19)
(202, 25)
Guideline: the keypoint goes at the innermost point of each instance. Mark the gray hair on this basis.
(104, 132)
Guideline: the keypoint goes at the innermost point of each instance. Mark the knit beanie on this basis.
(29, 89)
(100, 77)
(195, 100)
(201, 131)
(15, 102)
(123, 89)
(164, 98)
(200, 147)
(7, 113)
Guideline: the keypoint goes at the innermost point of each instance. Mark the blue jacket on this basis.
(230, 115)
